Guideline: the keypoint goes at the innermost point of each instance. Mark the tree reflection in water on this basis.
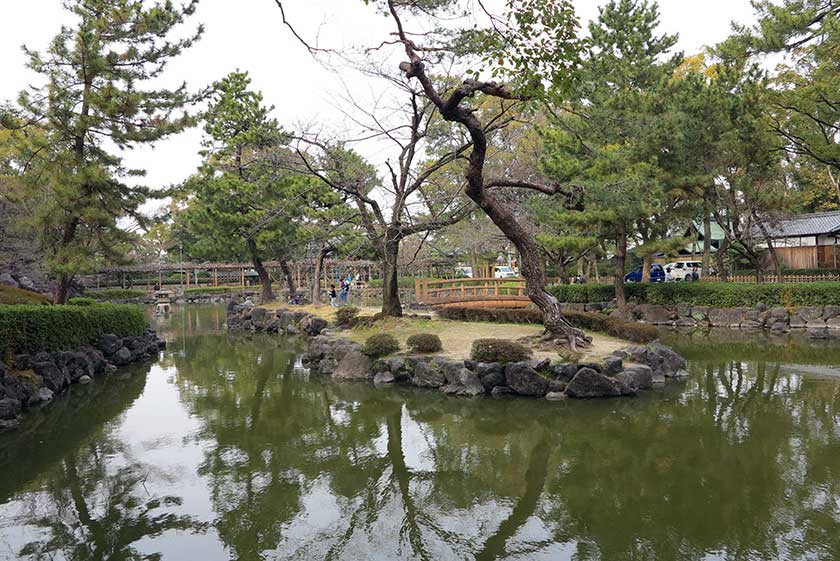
(741, 461)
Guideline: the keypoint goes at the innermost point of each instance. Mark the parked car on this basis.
(506, 273)
(682, 270)
(463, 272)
(657, 274)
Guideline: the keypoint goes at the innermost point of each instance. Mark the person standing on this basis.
(333, 297)
(349, 287)
(342, 294)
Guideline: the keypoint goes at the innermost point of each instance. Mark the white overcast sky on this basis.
(249, 35)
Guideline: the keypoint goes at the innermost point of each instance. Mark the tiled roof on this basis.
(806, 225)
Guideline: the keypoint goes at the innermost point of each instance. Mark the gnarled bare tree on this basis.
(534, 41)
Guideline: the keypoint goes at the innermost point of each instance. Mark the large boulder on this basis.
(465, 382)
(122, 356)
(588, 383)
(54, 378)
(726, 317)
(95, 359)
(17, 385)
(312, 326)
(491, 374)
(428, 375)
(354, 365)
(109, 344)
(636, 377)
(564, 372)
(524, 380)
(661, 359)
(9, 408)
(656, 314)
(258, 316)
(612, 365)
(324, 353)
(75, 364)
(384, 378)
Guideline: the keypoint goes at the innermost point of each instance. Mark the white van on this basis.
(506, 273)
(682, 270)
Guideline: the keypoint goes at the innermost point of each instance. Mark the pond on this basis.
(226, 449)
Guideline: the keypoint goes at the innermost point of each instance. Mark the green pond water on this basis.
(225, 449)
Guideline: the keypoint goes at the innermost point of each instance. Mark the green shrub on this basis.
(115, 293)
(346, 316)
(10, 295)
(497, 315)
(81, 301)
(499, 350)
(424, 343)
(380, 344)
(717, 294)
(32, 328)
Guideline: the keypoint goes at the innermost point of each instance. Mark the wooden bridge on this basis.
(484, 292)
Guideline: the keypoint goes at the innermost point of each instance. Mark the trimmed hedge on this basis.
(32, 328)
(717, 294)
(424, 343)
(115, 293)
(11, 296)
(617, 327)
(496, 315)
(380, 344)
(499, 350)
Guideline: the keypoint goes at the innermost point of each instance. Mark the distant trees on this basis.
(418, 196)
(96, 95)
(610, 139)
(241, 203)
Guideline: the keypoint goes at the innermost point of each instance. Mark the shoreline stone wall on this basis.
(818, 320)
(37, 378)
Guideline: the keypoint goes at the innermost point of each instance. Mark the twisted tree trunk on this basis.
(265, 279)
(287, 275)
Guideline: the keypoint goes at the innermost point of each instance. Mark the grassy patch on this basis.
(11, 296)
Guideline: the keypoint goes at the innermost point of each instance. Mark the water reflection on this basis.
(226, 446)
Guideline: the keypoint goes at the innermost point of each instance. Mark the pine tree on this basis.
(92, 106)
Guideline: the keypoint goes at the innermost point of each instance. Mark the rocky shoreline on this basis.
(623, 373)
(37, 378)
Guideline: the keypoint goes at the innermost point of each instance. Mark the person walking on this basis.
(333, 297)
